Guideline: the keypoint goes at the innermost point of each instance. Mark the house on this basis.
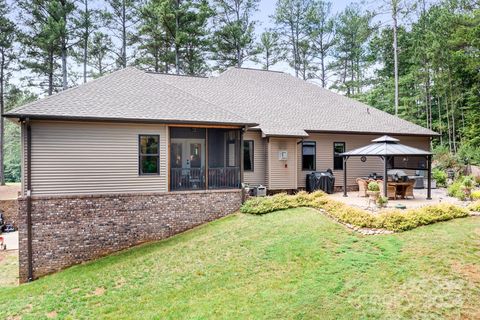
(136, 156)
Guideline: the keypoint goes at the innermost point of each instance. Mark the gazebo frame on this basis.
(387, 148)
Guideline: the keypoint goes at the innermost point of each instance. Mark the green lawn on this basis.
(293, 264)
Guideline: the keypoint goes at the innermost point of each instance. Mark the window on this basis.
(309, 149)
(149, 154)
(248, 155)
(338, 148)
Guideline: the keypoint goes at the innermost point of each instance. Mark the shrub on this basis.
(394, 220)
(461, 188)
(440, 176)
(282, 201)
(474, 206)
(373, 186)
(382, 200)
(476, 195)
(456, 190)
(468, 181)
(444, 159)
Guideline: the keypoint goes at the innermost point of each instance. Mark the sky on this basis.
(267, 8)
(263, 17)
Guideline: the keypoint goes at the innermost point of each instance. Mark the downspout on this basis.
(242, 131)
(345, 158)
(29, 199)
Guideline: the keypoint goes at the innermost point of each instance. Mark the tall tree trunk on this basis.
(267, 59)
(440, 120)
(64, 66)
(85, 41)
(322, 66)
(448, 125)
(395, 50)
(177, 49)
(124, 35)
(50, 72)
(2, 123)
(64, 49)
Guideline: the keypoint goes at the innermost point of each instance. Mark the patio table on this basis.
(401, 187)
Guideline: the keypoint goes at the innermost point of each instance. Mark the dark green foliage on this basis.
(15, 97)
(233, 38)
(440, 177)
(439, 82)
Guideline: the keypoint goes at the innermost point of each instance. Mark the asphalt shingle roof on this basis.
(129, 94)
(285, 105)
(281, 104)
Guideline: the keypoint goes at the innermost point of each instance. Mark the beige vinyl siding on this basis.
(257, 176)
(82, 157)
(280, 177)
(355, 168)
(23, 137)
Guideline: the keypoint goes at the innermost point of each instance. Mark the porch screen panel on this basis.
(187, 158)
(223, 159)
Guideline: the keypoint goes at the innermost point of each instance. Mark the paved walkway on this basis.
(9, 191)
(438, 196)
(11, 240)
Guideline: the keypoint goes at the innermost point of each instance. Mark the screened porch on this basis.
(204, 158)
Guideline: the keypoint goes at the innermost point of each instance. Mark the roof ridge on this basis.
(176, 75)
(197, 97)
(82, 85)
(252, 69)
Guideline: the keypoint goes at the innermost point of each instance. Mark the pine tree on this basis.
(233, 39)
(353, 31)
(291, 20)
(41, 42)
(99, 48)
(8, 35)
(120, 17)
(268, 51)
(322, 35)
(86, 23)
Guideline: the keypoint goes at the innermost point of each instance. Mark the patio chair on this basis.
(391, 190)
(409, 189)
(362, 187)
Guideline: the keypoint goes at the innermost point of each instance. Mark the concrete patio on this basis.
(438, 196)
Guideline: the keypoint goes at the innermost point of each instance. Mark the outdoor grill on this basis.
(321, 180)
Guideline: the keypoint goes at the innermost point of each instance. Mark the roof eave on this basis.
(385, 155)
(432, 134)
(126, 120)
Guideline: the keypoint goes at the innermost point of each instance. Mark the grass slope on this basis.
(289, 264)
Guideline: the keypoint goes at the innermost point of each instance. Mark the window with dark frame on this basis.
(248, 155)
(309, 151)
(149, 154)
(338, 148)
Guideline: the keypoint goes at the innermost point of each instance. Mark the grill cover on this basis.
(321, 180)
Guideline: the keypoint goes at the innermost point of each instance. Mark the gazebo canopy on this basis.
(386, 146)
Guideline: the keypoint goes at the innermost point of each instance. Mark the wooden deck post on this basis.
(385, 176)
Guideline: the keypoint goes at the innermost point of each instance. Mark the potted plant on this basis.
(373, 190)
(382, 201)
(467, 186)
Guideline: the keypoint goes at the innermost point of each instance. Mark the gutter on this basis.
(127, 120)
(26, 122)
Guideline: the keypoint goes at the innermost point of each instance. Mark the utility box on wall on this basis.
(283, 155)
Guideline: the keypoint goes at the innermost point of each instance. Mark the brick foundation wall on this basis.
(68, 230)
(10, 211)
